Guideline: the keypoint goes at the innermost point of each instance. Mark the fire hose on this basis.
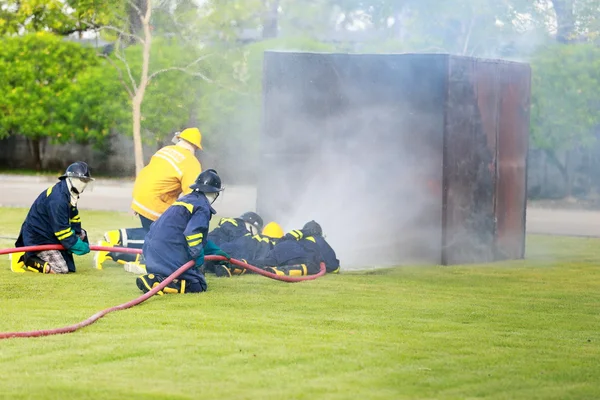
(145, 296)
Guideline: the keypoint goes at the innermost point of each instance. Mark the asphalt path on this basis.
(115, 195)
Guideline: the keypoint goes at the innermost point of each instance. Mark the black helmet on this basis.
(312, 228)
(78, 170)
(253, 219)
(208, 182)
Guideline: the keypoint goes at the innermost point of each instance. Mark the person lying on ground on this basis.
(169, 174)
(179, 235)
(247, 247)
(54, 219)
(229, 229)
(300, 253)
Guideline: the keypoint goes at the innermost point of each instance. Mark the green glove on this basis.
(80, 248)
(222, 254)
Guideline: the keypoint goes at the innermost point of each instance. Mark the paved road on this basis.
(19, 191)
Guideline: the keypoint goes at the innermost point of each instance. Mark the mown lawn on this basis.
(514, 330)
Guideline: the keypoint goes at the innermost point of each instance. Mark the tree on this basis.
(136, 88)
(565, 100)
(41, 92)
(62, 17)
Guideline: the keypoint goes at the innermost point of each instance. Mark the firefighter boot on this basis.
(289, 270)
(16, 262)
(148, 282)
(101, 256)
(36, 264)
(113, 238)
(222, 270)
(137, 266)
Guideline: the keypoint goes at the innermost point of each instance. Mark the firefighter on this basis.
(54, 219)
(169, 174)
(181, 235)
(249, 247)
(230, 229)
(299, 253)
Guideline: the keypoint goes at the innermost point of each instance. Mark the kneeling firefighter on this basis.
(181, 235)
(54, 219)
(299, 253)
(169, 174)
(249, 247)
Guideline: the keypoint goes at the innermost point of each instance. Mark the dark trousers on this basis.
(134, 234)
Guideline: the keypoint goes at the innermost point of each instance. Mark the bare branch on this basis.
(120, 74)
(124, 61)
(122, 32)
(183, 69)
(137, 9)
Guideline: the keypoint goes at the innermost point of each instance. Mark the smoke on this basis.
(359, 150)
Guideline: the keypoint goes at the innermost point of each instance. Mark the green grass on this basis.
(513, 330)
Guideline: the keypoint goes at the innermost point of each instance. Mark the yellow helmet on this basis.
(193, 136)
(273, 230)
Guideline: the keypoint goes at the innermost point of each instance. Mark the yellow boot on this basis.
(16, 262)
(101, 256)
(113, 238)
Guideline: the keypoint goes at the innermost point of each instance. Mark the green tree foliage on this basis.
(61, 17)
(51, 92)
(565, 96)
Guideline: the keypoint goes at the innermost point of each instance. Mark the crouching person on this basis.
(54, 219)
(179, 235)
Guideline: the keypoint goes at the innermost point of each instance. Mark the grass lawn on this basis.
(513, 330)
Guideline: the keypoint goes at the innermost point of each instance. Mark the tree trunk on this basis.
(136, 25)
(270, 21)
(138, 99)
(138, 151)
(36, 154)
(565, 20)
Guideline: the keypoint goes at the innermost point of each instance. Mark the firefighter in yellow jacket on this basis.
(170, 173)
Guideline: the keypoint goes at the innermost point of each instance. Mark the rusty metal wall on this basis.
(402, 158)
(469, 150)
(513, 139)
(486, 136)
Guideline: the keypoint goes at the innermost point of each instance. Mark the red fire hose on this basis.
(145, 296)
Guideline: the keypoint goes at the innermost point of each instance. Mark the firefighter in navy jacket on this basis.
(230, 229)
(300, 252)
(179, 235)
(249, 247)
(54, 219)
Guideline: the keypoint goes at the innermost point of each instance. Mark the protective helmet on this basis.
(273, 230)
(191, 135)
(78, 175)
(313, 228)
(208, 182)
(253, 219)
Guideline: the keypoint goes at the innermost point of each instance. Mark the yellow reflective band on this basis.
(195, 236)
(260, 238)
(75, 220)
(182, 286)
(230, 220)
(49, 191)
(66, 235)
(189, 207)
(196, 243)
(60, 233)
(297, 234)
(312, 239)
(335, 271)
